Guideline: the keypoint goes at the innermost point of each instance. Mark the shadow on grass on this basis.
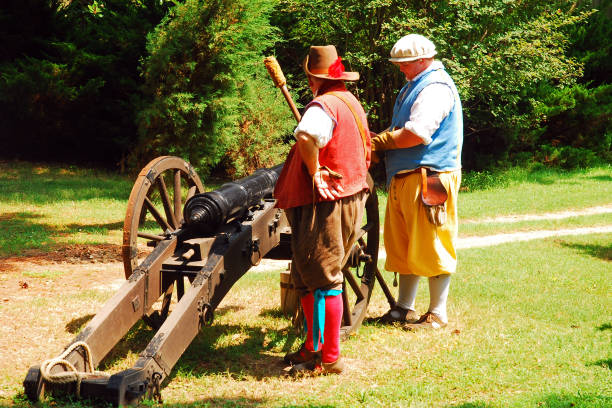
(220, 311)
(605, 326)
(597, 251)
(21, 233)
(544, 180)
(576, 401)
(605, 363)
(75, 325)
(275, 313)
(602, 178)
(246, 354)
(238, 402)
(134, 341)
(73, 228)
(21, 402)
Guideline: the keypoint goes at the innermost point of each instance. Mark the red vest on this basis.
(344, 153)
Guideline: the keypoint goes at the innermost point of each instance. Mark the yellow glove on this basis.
(381, 142)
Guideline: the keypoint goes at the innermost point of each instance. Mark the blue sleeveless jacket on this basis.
(444, 151)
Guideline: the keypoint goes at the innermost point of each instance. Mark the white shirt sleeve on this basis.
(433, 104)
(317, 124)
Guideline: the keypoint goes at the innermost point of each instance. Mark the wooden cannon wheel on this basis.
(153, 209)
(360, 270)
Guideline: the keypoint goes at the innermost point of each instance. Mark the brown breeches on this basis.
(321, 238)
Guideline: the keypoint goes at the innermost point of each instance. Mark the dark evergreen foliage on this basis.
(209, 97)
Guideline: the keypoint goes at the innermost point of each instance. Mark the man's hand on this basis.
(383, 141)
(326, 185)
(380, 143)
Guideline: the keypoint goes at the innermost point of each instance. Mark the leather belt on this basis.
(408, 173)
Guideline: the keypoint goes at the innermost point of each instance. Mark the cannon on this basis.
(179, 239)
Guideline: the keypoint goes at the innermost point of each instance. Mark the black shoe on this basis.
(301, 356)
(399, 315)
(316, 367)
(305, 368)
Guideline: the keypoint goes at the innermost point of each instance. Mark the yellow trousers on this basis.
(413, 244)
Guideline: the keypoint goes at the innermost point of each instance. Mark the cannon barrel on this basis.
(206, 212)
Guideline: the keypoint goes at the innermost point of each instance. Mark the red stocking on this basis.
(308, 308)
(333, 320)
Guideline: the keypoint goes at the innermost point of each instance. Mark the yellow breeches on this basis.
(413, 244)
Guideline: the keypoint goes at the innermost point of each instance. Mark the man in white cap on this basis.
(422, 151)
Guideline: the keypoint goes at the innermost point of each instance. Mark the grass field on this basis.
(530, 322)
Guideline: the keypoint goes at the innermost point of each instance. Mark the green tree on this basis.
(577, 131)
(208, 98)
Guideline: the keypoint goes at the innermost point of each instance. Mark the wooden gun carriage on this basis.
(202, 243)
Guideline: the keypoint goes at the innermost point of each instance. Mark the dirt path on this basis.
(498, 239)
(602, 209)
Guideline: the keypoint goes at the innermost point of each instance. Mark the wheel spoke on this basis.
(158, 217)
(165, 308)
(178, 205)
(348, 276)
(385, 288)
(152, 237)
(364, 255)
(347, 316)
(165, 198)
(191, 192)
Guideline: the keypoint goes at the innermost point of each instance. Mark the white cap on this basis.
(412, 47)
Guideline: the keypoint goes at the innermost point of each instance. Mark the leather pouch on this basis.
(433, 196)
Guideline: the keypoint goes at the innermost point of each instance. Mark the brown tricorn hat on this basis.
(323, 62)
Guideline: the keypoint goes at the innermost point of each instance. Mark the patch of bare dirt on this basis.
(42, 304)
(73, 254)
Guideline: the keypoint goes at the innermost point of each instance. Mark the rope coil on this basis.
(71, 374)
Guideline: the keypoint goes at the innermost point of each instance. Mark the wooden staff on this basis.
(276, 73)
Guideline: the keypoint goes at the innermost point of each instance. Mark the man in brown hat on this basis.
(322, 189)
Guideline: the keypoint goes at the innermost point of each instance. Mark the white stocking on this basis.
(438, 293)
(408, 285)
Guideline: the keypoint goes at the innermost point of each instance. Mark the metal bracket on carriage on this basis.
(252, 248)
(205, 312)
(192, 254)
(357, 256)
(274, 224)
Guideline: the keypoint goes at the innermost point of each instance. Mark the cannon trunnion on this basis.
(198, 252)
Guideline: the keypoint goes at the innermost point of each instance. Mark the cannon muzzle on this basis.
(206, 212)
